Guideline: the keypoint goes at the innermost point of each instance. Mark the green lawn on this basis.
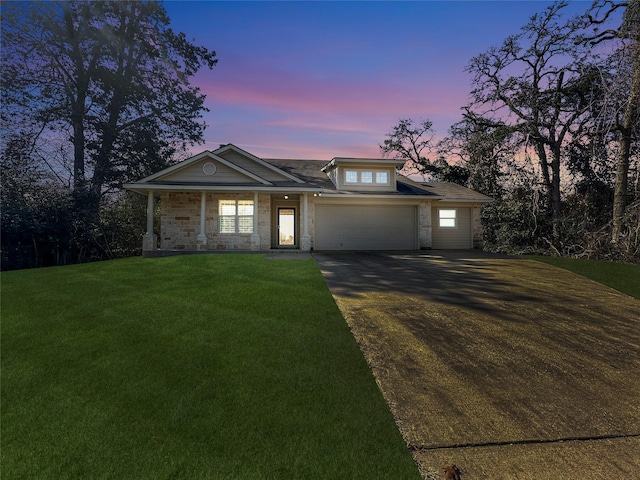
(623, 277)
(189, 367)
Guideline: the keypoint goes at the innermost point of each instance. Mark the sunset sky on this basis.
(325, 79)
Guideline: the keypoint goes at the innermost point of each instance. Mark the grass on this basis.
(623, 277)
(189, 367)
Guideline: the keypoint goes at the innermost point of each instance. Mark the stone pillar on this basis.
(201, 240)
(255, 236)
(305, 243)
(149, 240)
(424, 225)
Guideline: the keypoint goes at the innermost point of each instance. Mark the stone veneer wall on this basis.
(477, 226)
(424, 225)
(180, 222)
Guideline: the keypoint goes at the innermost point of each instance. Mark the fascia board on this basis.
(347, 196)
(140, 188)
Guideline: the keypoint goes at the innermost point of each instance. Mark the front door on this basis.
(286, 227)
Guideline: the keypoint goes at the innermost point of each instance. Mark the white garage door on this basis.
(451, 228)
(360, 227)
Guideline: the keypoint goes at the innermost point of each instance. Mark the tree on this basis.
(534, 84)
(486, 149)
(410, 141)
(626, 114)
(111, 79)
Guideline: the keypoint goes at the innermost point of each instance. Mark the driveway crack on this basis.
(422, 448)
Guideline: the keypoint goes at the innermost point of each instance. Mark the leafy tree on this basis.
(101, 92)
(112, 78)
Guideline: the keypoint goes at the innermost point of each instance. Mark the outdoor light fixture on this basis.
(286, 197)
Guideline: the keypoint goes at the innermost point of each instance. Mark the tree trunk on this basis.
(629, 120)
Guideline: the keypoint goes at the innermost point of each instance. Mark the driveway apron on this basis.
(508, 368)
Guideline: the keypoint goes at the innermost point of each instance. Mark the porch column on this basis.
(149, 240)
(305, 244)
(255, 236)
(201, 240)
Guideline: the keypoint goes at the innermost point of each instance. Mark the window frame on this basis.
(454, 217)
(240, 227)
(371, 173)
(346, 176)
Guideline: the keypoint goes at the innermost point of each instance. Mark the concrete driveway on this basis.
(508, 368)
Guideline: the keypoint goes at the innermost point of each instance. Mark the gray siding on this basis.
(193, 173)
(452, 238)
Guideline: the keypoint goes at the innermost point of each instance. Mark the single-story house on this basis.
(229, 199)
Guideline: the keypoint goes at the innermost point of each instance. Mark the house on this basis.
(229, 199)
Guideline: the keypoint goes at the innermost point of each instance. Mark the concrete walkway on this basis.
(508, 368)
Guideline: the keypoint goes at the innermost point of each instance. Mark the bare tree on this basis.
(626, 113)
(411, 141)
(534, 84)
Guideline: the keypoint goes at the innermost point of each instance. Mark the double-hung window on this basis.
(236, 216)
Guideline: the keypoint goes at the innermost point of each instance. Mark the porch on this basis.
(236, 221)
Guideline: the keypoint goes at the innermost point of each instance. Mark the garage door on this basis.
(359, 227)
(451, 227)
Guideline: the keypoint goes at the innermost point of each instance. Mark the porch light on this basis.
(286, 197)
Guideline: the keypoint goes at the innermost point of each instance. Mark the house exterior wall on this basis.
(194, 173)
(459, 237)
(180, 222)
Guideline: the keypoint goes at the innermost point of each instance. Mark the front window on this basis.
(366, 177)
(447, 218)
(236, 216)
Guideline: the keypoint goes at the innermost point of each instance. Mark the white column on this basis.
(202, 237)
(306, 239)
(255, 236)
(149, 240)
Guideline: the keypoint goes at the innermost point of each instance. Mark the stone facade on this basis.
(477, 226)
(424, 225)
(180, 223)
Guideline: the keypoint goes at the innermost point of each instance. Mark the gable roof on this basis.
(238, 170)
(168, 172)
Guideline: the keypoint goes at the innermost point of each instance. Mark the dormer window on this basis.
(382, 178)
(366, 177)
(363, 174)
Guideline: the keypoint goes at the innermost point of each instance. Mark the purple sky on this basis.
(327, 79)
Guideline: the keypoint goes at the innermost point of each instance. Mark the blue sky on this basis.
(325, 79)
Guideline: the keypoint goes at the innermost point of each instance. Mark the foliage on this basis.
(100, 92)
(202, 366)
(550, 135)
